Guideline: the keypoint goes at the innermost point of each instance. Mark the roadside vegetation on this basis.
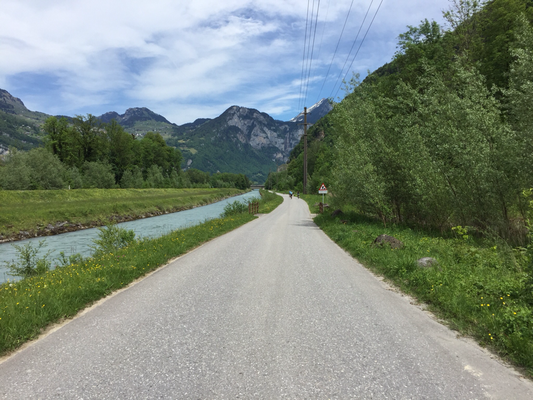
(477, 285)
(435, 148)
(34, 210)
(31, 304)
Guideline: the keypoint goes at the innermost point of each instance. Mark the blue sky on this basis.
(189, 60)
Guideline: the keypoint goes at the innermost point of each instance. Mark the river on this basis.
(81, 241)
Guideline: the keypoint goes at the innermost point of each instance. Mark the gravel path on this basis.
(272, 310)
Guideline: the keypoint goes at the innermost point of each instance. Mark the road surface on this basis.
(273, 310)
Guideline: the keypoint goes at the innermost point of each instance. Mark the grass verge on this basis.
(480, 289)
(33, 210)
(28, 306)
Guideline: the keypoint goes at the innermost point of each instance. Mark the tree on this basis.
(98, 175)
(154, 177)
(121, 154)
(35, 169)
(92, 138)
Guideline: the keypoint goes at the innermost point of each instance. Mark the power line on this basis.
(312, 50)
(303, 58)
(335, 52)
(351, 49)
(362, 41)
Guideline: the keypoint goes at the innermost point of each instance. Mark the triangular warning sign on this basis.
(323, 187)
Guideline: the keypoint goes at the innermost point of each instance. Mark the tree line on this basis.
(86, 153)
(443, 134)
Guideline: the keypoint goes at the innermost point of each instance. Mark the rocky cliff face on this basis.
(260, 130)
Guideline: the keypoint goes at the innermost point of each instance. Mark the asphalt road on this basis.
(272, 310)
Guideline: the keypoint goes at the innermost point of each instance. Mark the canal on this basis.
(81, 241)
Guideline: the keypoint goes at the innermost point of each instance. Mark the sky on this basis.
(194, 59)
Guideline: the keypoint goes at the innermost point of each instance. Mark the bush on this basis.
(28, 264)
(234, 208)
(111, 238)
(98, 175)
(35, 169)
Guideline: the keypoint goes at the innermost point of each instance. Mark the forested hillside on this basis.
(443, 134)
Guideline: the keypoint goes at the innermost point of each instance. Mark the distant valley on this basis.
(240, 140)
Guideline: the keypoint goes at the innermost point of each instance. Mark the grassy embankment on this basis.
(479, 287)
(30, 305)
(33, 210)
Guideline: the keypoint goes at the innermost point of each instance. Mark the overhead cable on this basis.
(335, 52)
(312, 50)
(303, 59)
(362, 41)
(351, 49)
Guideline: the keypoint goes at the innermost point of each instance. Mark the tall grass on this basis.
(30, 305)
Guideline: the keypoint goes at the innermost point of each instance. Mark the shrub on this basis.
(234, 208)
(28, 264)
(111, 238)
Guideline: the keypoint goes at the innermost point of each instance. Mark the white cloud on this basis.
(184, 58)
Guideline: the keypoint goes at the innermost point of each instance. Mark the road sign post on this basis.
(323, 190)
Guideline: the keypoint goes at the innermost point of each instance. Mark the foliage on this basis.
(35, 169)
(112, 238)
(89, 144)
(428, 139)
(64, 261)
(234, 208)
(97, 175)
(28, 262)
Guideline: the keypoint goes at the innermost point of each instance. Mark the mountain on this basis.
(19, 127)
(240, 140)
(139, 121)
(315, 112)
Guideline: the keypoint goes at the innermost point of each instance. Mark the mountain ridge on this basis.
(240, 140)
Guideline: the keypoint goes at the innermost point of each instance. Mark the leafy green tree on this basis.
(15, 174)
(121, 155)
(154, 177)
(98, 175)
(91, 137)
(197, 177)
(74, 178)
(36, 169)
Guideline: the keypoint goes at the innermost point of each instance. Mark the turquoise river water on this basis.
(81, 241)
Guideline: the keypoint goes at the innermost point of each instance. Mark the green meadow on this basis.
(31, 210)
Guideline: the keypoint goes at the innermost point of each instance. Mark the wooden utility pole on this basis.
(305, 150)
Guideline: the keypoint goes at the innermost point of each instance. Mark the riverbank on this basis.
(31, 305)
(35, 213)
